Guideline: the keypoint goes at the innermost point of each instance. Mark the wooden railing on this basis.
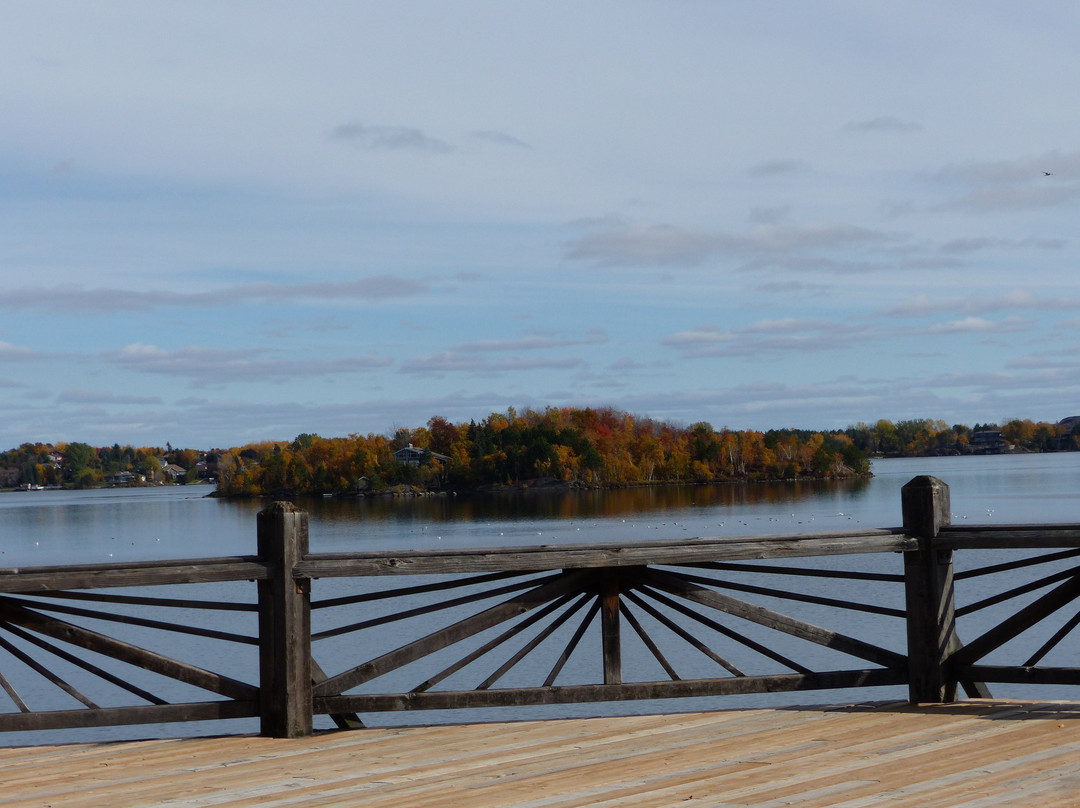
(350, 633)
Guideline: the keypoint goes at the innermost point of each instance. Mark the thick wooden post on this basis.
(928, 583)
(609, 627)
(284, 625)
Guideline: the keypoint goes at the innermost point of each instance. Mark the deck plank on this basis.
(973, 754)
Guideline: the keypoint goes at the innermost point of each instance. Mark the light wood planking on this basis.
(972, 754)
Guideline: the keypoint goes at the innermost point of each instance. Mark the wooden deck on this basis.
(971, 754)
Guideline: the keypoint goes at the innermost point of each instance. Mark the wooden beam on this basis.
(1018, 675)
(627, 691)
(1008, 537)
(555, 557)
(110, 716)
(42, 580)
(611, 641)
(285, 674)
(928, 589)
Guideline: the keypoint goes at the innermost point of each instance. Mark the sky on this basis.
(229, 222)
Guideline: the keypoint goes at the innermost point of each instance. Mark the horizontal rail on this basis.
(1012, 674)
(1007, 537)
(580, 556)
(145, 573)
(113, 716)
(631, 691)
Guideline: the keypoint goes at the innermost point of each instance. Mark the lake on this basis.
(114, 525)
(136, 524)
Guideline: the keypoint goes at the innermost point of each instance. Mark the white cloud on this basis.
(454, 362)
(391, 138)
(17, 353)
(107, 301)
(924, 305)
(500, 139)
(537, 343)
(980, 325)
(645, 244)
(766, 337)
(84, 396)
(216, 367)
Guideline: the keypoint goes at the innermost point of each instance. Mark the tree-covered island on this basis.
(567, 447)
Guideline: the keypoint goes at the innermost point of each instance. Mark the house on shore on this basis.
(413, 456)
(174, 472)
(988, 441)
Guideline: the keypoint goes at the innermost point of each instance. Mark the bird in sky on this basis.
(1047, 174)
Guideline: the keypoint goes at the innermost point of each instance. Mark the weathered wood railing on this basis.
(495, 627)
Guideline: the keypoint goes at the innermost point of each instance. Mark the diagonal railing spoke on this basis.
(419, 611)
(84, 664)
(126, 652)
(524, 602)
(14, 695)
(130, 620)
(1054, 641)
(1015, 592)
(1020, 622)
(489, 646)
(674, 584)
(809, 572)
(1010, 566)
(639, 629)
(143, 600)
(679, 631)
(799, 597)
(51, 676)
(530, 646)
(572, 645)
(418, 589)
(738, 637)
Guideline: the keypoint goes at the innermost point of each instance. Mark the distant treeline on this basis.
(569, 446)
(589, 447)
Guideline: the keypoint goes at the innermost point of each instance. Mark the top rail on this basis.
(138, 573)
(1007, 537)
(580, 556)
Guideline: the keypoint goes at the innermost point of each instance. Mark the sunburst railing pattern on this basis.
(349, 634)
(613, 633)
(175, 651)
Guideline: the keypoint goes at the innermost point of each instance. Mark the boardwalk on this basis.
(970, 754)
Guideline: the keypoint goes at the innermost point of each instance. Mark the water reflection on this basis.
(570, 505)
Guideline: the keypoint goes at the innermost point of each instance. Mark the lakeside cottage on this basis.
(412, 456)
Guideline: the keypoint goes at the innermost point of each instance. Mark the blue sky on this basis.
(238, 221)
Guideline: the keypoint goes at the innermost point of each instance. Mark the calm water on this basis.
(69, 527)
(55, 527)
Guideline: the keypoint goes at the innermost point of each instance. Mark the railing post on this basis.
(610, 628)
(284, 625)
(928, 584)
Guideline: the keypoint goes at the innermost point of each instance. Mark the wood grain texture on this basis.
(965, 755)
